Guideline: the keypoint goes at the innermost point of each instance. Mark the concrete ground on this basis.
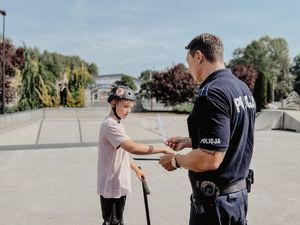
(48, 174)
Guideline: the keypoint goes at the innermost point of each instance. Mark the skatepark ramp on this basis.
(278, 120)
(291, 121)
(268, 120)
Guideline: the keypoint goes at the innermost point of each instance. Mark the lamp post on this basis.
(3, 13)
(151, 103)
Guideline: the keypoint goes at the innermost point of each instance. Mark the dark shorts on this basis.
(230, 209)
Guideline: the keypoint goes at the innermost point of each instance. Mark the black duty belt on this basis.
(238, 186)
(209, 190)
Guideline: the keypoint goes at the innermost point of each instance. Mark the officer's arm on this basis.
(201, 160)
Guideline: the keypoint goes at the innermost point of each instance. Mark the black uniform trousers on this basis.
(112, 210)
(230, 209)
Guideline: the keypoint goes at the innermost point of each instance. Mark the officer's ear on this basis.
(199, 56)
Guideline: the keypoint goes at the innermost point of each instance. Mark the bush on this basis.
(183, 108)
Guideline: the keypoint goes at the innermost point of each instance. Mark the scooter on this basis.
(146, 192)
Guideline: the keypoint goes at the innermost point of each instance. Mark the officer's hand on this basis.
(176, 143)
(165, 161)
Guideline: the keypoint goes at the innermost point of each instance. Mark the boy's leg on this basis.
(119, 209)
(112, 210)
(107, 208)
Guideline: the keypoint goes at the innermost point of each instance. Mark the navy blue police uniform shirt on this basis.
(223, 119)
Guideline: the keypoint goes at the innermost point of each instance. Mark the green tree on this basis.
(56, 63)
(269, 57)
(259, 93)
(269, 92)
(283, 81)
(295, 70)
(29, 97)
(93, 69)
(145, 90)
(43, 93)
(127, 81)
(14, 62)
(38, 82)
(146, 77)
(32, 76)
(51, 65)
(45, 87)
(78, 78)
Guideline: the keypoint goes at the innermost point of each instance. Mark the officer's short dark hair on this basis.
(208, 44)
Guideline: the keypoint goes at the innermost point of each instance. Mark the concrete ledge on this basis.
(291, 121)
(15, 119)
(268, 120)
(278, 120)
(75, 112)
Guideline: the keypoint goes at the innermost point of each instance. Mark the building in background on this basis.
(102, 85)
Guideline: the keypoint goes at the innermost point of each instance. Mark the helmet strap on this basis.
(115, 113)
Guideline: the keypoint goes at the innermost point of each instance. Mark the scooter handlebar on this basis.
(145, 185)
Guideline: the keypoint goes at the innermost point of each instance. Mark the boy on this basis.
(114, 164)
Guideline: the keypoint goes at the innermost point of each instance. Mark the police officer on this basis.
(221, 130)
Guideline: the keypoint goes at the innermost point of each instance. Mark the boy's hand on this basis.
(169, 151)
(176, 143)
(140, 174)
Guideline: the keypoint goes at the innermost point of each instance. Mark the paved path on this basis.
(55, 184)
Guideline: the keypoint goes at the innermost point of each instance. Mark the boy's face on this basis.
(123, 107)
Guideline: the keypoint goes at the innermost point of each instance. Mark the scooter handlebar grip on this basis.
(145, 186)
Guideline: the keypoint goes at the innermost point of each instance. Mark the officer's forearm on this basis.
(200, 160)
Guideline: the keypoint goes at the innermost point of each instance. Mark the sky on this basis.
(131, 36)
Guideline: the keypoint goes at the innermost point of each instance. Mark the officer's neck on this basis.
(208, 69)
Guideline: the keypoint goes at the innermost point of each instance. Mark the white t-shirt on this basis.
(113, 172)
